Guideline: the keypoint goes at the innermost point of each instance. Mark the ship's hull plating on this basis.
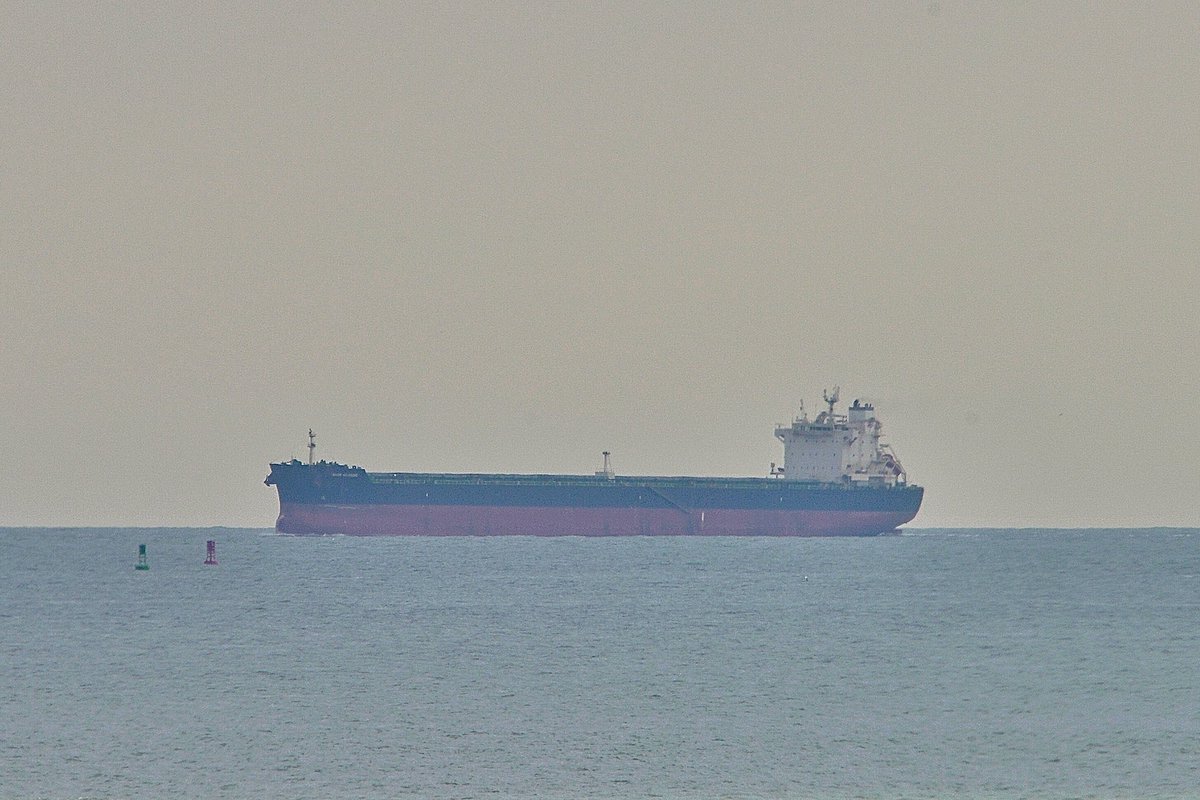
(328, 498)
(426, 520)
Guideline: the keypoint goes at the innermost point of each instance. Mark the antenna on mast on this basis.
(831, 399)
(312, 446)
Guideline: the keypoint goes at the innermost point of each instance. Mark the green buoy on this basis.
(142, 563)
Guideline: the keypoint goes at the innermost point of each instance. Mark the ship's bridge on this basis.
(838, 447)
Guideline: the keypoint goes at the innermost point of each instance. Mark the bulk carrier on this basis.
(837, 479)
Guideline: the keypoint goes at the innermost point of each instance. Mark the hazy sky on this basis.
(505, 237)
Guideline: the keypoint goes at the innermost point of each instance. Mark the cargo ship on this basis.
(837, 479)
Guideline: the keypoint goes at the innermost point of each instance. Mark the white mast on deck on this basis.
(607, 472)
(832, 399)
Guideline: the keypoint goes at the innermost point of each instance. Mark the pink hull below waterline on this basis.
(465, 520)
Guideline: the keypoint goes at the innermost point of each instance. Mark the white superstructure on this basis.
(838, 447)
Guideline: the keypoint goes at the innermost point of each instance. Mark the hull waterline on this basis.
(428, 520)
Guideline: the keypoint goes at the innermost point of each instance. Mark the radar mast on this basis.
(832, 399)
(312, 446)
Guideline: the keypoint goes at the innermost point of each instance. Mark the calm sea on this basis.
(936, 664)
